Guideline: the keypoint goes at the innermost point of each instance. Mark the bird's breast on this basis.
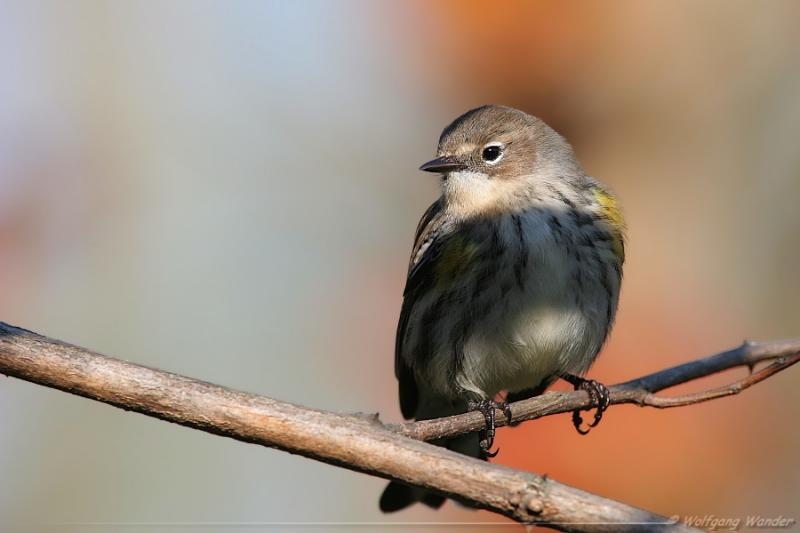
(545, 309)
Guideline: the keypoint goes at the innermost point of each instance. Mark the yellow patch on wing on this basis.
(456, 257)
(613, 216)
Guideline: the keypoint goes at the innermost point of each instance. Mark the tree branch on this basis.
(362, 443)
(638, 391)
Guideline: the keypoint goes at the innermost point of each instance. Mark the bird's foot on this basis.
(598, 394)
(488, 410)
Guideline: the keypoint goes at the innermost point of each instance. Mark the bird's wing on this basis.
(427, 245)
(423, 255)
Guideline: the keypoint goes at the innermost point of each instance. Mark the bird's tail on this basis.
(397, 495)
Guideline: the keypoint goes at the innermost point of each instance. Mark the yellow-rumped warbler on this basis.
(513, 281)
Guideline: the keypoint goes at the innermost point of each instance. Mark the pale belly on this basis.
(528, 325)
(551, 326)
(532, 346)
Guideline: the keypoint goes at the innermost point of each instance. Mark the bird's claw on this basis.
(488, 409)
(599, 396)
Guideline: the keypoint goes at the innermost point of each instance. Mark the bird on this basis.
(513, 280)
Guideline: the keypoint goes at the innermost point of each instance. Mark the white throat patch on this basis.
(467, 193)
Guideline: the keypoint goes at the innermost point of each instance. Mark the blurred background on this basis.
(229, 190)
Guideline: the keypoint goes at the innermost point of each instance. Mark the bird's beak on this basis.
(443, 164)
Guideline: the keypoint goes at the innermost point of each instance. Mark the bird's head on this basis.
(494, 156)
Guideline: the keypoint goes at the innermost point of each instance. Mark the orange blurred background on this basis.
(229, 191)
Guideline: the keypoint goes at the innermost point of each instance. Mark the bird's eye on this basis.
(492, 153)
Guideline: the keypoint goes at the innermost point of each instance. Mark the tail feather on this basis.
(397, 495)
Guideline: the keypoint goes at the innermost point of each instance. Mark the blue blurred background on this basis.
(228, 190)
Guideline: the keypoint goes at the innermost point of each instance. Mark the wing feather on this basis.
(422, 258)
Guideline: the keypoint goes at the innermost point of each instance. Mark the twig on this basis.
(358, 443)
(638, 391)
